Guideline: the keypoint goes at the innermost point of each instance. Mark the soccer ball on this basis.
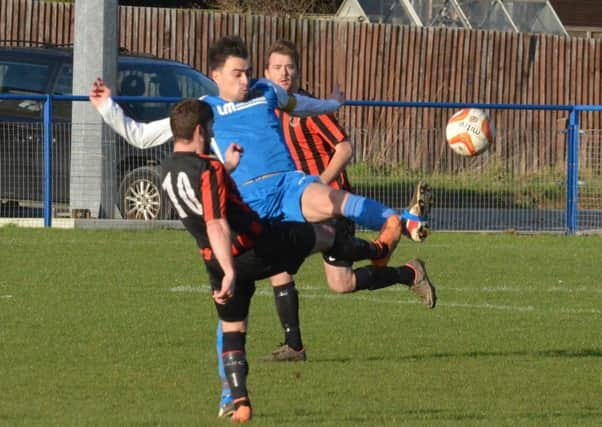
(469, 132)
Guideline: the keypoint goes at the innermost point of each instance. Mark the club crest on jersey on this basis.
(294, 121)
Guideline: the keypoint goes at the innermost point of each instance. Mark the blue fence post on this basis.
(48, 161)
(572, 163)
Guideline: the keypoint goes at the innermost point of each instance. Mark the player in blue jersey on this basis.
(267, 176)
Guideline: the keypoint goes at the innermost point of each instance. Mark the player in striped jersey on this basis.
(319, 146)
(237, 247)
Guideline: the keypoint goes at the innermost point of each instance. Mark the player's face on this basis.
(232, 79)
(281, 69)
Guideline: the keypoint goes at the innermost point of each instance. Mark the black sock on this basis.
(287, 305)
(373, 278)
(236, 367)
(406, 275)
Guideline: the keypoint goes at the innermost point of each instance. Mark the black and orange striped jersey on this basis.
(311, 142)
(200, 190)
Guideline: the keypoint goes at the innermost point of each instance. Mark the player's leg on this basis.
(421, 284)
(226, 404)
(344, 279)
(236, 368)
(338, 272)
(287, 306)
(299, 241)
(345, 245)
(286, 295)
(320, 202)
(415, 216)
(233, 317)
(305, 198)
(231, 333)
(340, 249)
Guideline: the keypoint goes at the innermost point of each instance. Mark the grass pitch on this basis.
(116, 328)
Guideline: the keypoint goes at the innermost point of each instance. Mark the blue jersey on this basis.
(252, 124)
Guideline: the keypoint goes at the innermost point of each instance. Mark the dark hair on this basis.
(186, 115)
(283, 47)
(225, 47)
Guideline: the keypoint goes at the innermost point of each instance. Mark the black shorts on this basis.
(282, 248)
(347, 226)
(237, 308)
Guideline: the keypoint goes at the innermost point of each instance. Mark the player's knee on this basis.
(341, 287)
(340, 279)
(281, 279)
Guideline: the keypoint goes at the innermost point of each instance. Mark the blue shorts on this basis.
(277, 196)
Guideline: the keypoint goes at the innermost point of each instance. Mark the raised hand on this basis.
(338, 94)
(232, 156)
(99, 93)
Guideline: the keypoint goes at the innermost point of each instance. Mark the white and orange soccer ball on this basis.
(469, 132)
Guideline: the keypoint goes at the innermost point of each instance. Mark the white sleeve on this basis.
(141, 135)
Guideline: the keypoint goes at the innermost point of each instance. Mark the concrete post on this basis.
(93, 165)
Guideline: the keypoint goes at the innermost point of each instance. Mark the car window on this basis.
(159, 80)
(163, 80)
(20, 77)
(64, 80)
(193, 84)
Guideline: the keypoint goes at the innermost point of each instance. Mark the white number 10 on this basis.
(185, 193)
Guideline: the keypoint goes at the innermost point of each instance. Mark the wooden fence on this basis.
(381, 62)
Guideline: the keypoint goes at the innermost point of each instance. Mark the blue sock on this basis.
(219, 344)
(366, 212)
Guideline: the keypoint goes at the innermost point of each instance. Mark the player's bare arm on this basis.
(218, 232)
(338, 162)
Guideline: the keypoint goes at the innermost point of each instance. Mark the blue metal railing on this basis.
(48, 161)
(572, 136)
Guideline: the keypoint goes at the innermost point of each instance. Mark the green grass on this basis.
(116, 328)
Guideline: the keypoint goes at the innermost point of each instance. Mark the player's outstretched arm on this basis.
(218, 232)
(301, 105)
(308, 106)
(141, 135)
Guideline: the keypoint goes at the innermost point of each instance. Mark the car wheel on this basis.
(140, 195)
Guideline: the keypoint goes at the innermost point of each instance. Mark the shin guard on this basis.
(236, 367)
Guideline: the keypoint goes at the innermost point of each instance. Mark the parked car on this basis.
(49, 69)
